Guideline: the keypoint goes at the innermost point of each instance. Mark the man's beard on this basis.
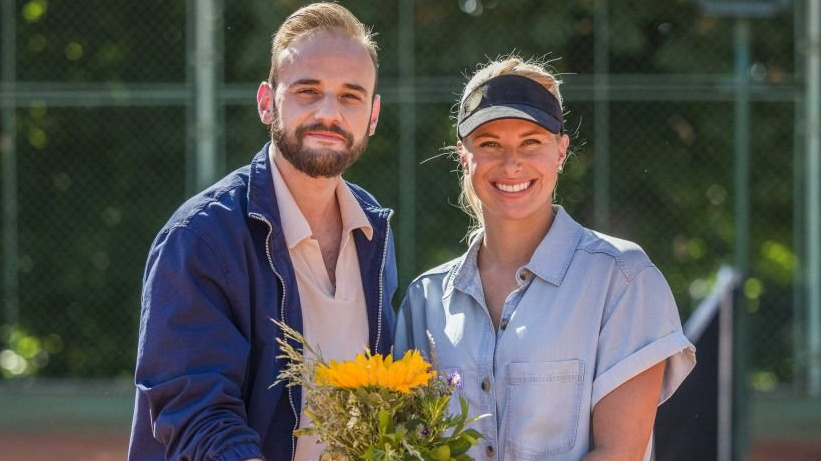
(316, 163)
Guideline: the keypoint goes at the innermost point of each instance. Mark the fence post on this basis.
(601, 178)
(8, 150)
(206, 155)
(813, 172)
(407, 143)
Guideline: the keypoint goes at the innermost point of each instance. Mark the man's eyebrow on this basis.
(313, 81)
(304, 81)
(355, 87)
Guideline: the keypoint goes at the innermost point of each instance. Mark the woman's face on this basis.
(513, 166)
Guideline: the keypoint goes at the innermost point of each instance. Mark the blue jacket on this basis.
(216, 275)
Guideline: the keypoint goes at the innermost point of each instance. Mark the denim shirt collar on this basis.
(549, 262)
(555, 252)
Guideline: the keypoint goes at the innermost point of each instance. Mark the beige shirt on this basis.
(334, 318)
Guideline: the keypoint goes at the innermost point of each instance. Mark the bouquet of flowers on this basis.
(375, 408)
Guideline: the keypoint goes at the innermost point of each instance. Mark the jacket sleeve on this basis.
(192, 355)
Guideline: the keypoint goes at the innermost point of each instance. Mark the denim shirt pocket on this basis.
(543, 401)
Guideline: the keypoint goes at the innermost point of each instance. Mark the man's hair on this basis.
(316, 18)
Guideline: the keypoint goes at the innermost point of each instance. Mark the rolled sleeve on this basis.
(641, 329)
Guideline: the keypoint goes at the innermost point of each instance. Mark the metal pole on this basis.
(407, 142)
(8, 150)
(742, 229)
(742, 147)
(601, 176)
(726, 375)
(799, 228)
(814, 196)
(205, 89)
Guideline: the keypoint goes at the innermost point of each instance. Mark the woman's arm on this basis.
(623, 419)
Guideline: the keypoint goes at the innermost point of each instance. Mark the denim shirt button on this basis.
(486, 388)
(503, 324)
(489, 451)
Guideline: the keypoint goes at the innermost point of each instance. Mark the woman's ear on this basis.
(462, 152)
(564, 143)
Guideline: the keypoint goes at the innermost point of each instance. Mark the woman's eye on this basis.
(489, 144)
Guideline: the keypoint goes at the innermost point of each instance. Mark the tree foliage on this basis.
(97, 180)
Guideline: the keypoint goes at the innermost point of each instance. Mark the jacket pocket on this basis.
(543, 401)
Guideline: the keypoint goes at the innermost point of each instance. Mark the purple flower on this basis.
(455, 380)
(425, 432)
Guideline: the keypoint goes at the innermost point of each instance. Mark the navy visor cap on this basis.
(510, 96)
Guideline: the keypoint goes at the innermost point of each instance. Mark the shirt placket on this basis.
(493, 451)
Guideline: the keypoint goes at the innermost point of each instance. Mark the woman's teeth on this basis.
(513, 187)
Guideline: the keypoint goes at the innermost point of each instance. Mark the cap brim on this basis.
(517, 111)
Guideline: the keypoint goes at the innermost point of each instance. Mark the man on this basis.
(282, 238)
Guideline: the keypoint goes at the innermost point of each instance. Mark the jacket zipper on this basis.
(282, 305)
(381, 277)
(282, 319)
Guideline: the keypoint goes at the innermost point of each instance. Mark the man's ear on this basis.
(265, 103)
(377, 106)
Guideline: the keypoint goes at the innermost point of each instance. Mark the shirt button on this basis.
(503, 324)
(486, 386)
(489, 451)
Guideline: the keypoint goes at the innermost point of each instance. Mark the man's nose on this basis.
(327, 109)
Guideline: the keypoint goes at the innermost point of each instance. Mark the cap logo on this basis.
(474, 99)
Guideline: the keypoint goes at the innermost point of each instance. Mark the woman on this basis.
(568, 339)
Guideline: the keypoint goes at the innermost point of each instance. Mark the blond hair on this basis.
(316, 18)
(533, 69)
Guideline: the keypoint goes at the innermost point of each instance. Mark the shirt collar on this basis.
(552, 257)
(550, 260)
(295, 227)
(465, 275)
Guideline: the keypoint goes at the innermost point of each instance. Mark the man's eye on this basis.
(489, 144)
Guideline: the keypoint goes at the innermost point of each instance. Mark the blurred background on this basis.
(694, 129)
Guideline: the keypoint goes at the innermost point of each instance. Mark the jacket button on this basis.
(489, 451)
(486, 385)
(503, 324)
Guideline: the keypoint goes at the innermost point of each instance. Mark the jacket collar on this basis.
(262, 200)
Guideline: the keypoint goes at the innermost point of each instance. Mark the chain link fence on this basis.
(99, 147)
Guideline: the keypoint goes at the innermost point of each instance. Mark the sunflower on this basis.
(368, 370)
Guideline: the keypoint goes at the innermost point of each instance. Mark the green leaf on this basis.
(460, 446)
(441, 453)
(384, 421)
(473, 433)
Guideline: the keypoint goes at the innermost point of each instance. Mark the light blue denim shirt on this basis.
(590, 312)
